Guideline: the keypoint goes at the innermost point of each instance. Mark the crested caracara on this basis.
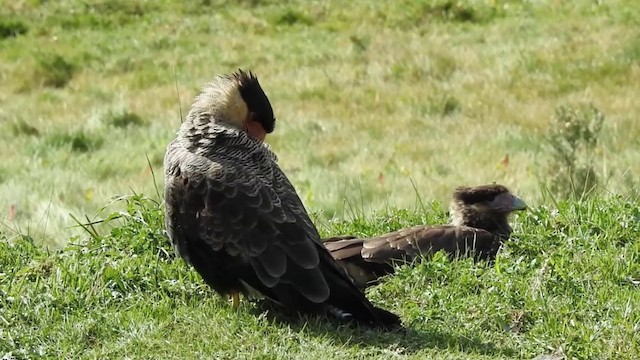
(479, 226)
(234, 216)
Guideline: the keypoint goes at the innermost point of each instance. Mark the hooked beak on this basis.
(506, 203)
(518, 204)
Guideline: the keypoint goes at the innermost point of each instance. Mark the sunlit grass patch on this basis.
(566, 283)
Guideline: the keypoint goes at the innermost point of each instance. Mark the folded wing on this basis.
(367, 260)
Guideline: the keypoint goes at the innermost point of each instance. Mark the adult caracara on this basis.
(479, 226)
(232, 213)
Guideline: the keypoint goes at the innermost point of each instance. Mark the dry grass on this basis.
(369, 97)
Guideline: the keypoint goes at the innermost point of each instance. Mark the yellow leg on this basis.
(235, 299)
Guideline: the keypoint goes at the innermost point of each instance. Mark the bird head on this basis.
(235, 100)
(484, 206)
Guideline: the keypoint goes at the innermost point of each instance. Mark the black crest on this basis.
(472, 195)
(256, 99)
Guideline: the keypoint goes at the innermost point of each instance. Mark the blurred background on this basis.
(381, 104)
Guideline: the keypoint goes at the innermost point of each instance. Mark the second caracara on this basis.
(479, 226)
(232, 213)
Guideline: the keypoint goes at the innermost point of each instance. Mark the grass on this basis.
(371, 98)
(11, 28)
(123, 119)
(52, 70)
(567, 283)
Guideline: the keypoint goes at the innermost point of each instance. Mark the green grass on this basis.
(371, 98)
(11, 28)
(568, 282)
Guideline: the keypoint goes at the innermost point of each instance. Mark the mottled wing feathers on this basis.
(230, 210)
(240, 223)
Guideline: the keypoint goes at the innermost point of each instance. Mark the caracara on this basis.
(234, 216)
(479, 226)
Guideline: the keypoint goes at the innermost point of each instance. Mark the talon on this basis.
(235, 299)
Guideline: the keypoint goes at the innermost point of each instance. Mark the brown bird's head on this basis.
(486, 207)
(235, 100)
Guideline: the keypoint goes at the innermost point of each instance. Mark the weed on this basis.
(450, 105)
(452, 11)
(572, 140)
(122, 119)
(12, 28)
(77, 141)
(53, 70)
(444, 105)
(21, 127)
(360, 43)
(290, 16)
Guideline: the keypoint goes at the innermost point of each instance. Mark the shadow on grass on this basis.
(406, 339)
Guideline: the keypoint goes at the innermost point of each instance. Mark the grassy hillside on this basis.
(371, 97)
(568, 283)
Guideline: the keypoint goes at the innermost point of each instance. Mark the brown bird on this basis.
(232, 213)
(479, 226)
